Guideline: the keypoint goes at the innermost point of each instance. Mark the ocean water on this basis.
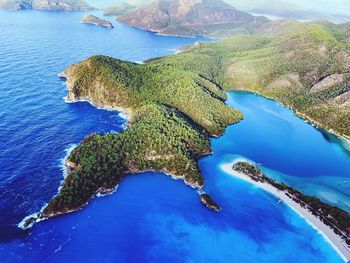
(36, 125)
(289, 149)
(150, 218)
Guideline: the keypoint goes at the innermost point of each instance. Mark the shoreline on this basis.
(298, 114)
(64, 169)
(333, 239)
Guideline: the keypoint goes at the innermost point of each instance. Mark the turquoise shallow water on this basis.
(150, 217)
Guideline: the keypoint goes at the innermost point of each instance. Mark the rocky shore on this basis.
(209, 203)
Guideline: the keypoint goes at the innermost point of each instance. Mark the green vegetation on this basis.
(159, 139)
(286, 61)
(176, 102)
(173, 111)
(110, 82)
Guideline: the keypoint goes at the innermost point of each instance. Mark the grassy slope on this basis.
(286, 63)
(173, 111)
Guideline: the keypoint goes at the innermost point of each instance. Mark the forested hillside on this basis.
(175, 103)
(172, 112)
(303, 65)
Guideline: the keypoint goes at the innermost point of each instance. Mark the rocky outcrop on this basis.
(343, 100)
(188, 17)
(328, 82)
(90, 19)
(209, 203)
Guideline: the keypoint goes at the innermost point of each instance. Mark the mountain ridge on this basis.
(188, 17)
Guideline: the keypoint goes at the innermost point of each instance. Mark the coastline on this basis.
(64, 169)
(333, 239)
(156, 32)
(300, 115)
(124, 113)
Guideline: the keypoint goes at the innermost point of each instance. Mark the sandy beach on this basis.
(336, 241)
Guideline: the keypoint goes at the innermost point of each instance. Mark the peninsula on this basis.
(94, 20)
(176, 103)
(333, 222)
(172, 112)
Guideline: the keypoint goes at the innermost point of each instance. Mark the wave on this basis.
(64, 170)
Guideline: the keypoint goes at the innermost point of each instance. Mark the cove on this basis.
(288, 149)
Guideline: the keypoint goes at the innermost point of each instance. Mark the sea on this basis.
(150, 217)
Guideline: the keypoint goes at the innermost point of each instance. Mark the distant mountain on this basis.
(188, 17)
(119, 9)
(336, 11)
(122, 8)
(45, 4)
(60, 5)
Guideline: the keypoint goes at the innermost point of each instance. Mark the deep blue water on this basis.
(36, 124)
(150, 217)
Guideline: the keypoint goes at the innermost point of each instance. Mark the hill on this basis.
(305, 66)
(188, 17)
(172, 113)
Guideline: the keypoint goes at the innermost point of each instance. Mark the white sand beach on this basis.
(336, 241)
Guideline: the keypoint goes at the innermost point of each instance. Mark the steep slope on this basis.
(188, 17)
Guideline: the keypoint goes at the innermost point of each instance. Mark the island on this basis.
(66, 5)
(332, 221)
(91, 19)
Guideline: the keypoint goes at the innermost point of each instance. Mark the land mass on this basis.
(172, 113)
(332, 221)
(175, 103)
(189, 17)
(67, 5)
(90, 19)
